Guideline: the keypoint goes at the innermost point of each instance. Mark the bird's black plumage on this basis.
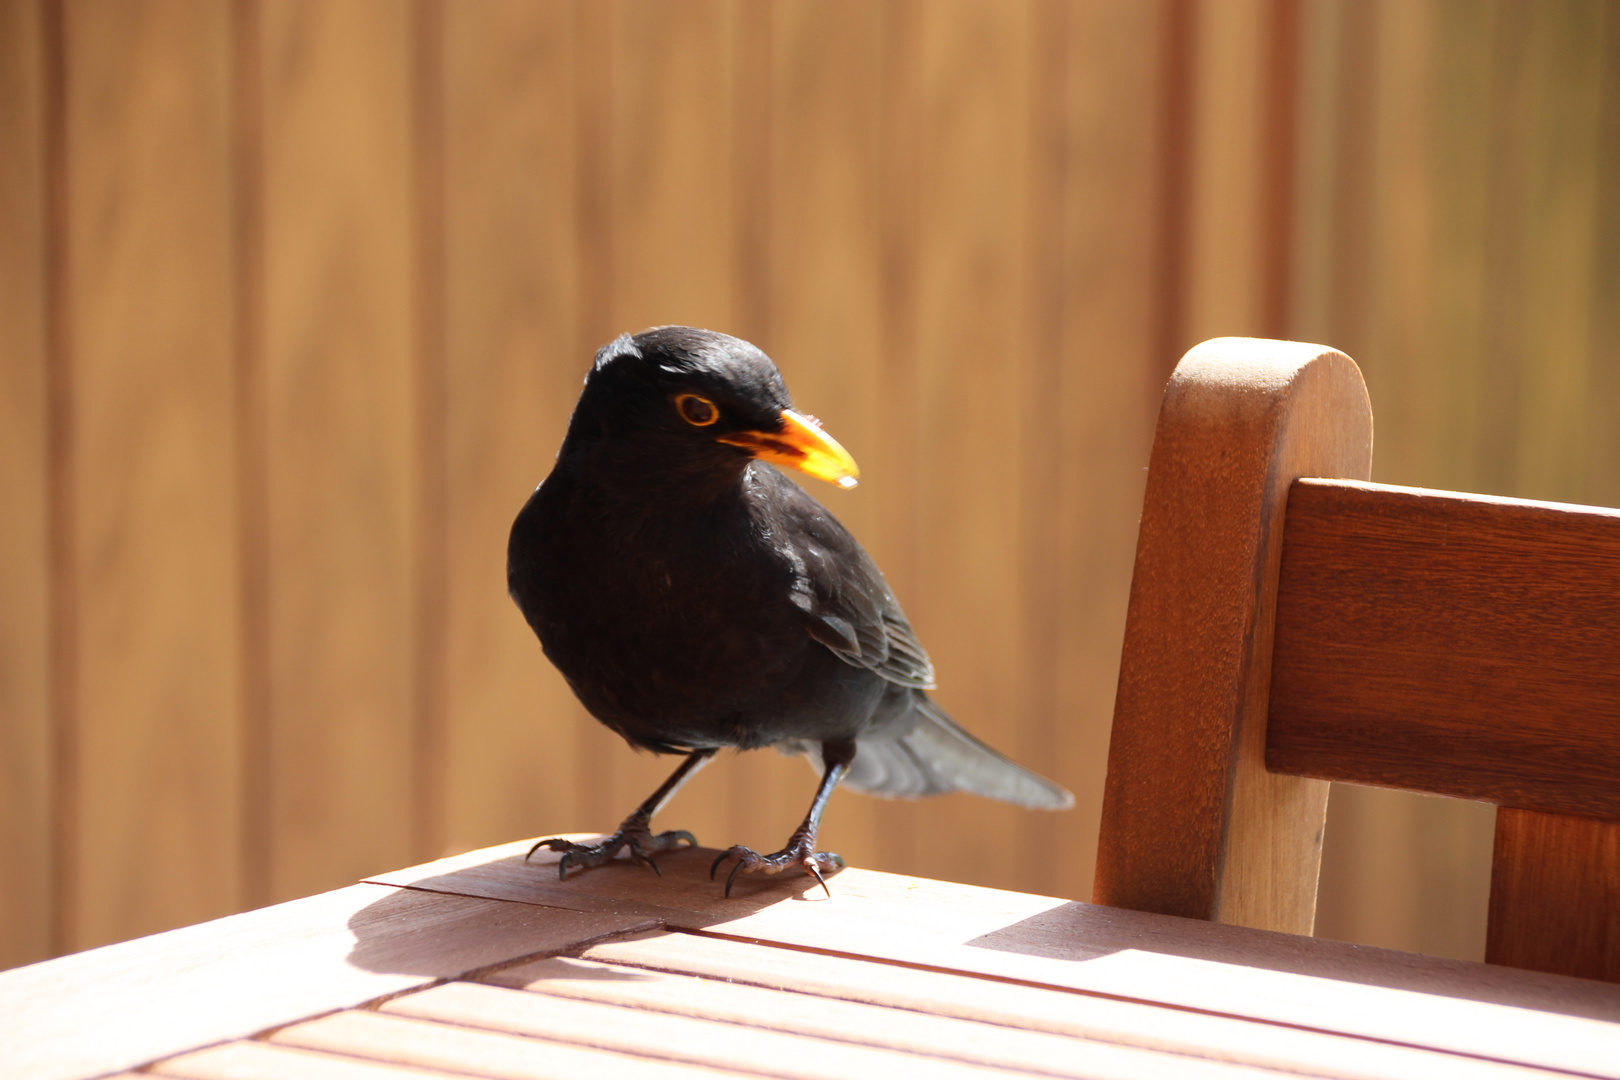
(695, 598)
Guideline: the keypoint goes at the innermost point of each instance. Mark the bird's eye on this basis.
(697, 411)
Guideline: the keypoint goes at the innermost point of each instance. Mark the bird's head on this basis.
(675, 398)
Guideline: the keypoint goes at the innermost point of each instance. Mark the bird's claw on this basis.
(642, 842)
(816, 863)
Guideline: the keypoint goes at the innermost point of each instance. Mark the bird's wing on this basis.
(847, 605)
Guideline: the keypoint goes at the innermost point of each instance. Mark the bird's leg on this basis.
(801, 846)
(634, 833)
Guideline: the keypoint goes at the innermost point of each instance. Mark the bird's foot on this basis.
(800, 852)
(635, 835)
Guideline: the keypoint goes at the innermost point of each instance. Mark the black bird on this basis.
(695, 598)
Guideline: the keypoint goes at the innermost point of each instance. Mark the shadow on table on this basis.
(459, 914)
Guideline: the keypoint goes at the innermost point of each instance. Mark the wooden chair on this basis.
(1285, 631)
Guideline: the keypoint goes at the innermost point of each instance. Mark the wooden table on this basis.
(483, 966)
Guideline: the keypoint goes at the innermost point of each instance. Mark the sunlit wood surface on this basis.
(484, 965)
(295, 296)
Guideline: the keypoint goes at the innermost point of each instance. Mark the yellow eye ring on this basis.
(697, 411)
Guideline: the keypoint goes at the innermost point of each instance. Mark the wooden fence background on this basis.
(296, 295)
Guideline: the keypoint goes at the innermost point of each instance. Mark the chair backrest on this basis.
(1291, 624)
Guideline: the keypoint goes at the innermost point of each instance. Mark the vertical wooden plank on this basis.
(1508, 102)
(1113, 78)
(1555, 895)
(1041, 245)
(430, 551)
(1461, 172)
(514, 367)
(340, 425)
(825, 330)
(1559, 222)
(252, 457)
(26, 900)
(1602, 481)
(668, 176)
(595, 63)
(972, 360)
(1405, 871)
(896, 445)
(1225, 269)
(672, 223)
(1398, 220)
(149, 271)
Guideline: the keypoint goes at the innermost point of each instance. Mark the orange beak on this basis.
(802, 445)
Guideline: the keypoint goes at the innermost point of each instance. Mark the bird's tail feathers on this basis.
(936, 756)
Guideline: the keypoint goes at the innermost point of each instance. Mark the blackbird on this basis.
(696, 598)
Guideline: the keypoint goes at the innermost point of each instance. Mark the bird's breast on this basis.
(678, 628)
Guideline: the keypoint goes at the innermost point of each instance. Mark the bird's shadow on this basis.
(465, 913)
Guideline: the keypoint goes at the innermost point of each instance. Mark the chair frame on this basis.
(1286, 631)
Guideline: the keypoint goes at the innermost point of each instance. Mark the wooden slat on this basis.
(514, 367)
(1463, 1008)
(938, 1015)
(340, 416)
(459, 1049)
(25, 739)
(230, 978)
(656, 244)
(157, 761)
(1104, 393)
(920, 1031)
(1193, 824)
(1602, 398)
(972, 364)
(689, 1040)
(822, 323)
(1226, 243)
(1553, 75)
(1555, 895)
(1460, 645)
(259, 1061)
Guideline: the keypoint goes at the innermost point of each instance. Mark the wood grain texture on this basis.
(1458, 1007)
(1016, 1027)
(447, 1041)
(261, 1061)
(917, 1027)
(514, 366)
(972, 360)
(974, 978)
(26, 774)
(1225, 271)
(1105, 379)
(148, 267)
(341, 415)
(821, 319)
(1555, 895)
(695, 1040)
(1458, 645)
(227, 979)
(1193, 824)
